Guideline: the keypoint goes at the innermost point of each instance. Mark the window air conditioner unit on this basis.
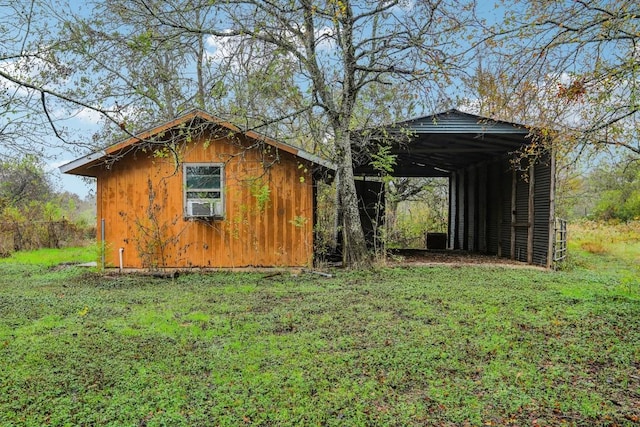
(204, 208)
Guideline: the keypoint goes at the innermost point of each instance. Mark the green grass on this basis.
(434, 346)
(611, 250)
(50, 257)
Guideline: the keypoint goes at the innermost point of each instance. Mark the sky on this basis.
(71, 183)
(85, 124)
(82, 124)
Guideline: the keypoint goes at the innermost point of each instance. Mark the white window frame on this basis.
(218, 203)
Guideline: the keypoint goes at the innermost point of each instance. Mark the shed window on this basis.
(203, 190)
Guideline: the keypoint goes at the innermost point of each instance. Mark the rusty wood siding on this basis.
(141, 200)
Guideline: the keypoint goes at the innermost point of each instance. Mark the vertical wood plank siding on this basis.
(141, 199)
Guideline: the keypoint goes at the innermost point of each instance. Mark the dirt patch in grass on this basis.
(422, 257)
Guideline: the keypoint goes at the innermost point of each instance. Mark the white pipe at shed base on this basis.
(121, 251)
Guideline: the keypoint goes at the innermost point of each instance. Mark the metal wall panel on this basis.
(505, 208)
(472, 213)
(522, 217)
(542, 200)
(462, 210)
(481, 210)
(493, 207)
(371, 206)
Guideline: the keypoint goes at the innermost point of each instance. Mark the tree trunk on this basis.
(354, 252)
(200, 59)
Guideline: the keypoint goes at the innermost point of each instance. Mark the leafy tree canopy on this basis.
(616, 188)
(23, 181)
(572, 66)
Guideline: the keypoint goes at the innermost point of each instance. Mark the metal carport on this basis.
(494, 207)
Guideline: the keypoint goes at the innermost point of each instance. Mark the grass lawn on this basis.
(434, 346)
(51, 257)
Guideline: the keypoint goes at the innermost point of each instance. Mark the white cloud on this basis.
(221, 48)
(325, 37)
(13, 69)
(35, 71)
(88, 115)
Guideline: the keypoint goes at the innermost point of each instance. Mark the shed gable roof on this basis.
(83, 165)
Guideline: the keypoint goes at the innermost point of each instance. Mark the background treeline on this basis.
(608, 190)
(34, 215)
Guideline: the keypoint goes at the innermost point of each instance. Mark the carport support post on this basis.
(471, 201)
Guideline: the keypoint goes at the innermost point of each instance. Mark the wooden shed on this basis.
(500, 203)
(199, 192)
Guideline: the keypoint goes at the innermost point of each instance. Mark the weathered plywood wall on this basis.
(140, 198)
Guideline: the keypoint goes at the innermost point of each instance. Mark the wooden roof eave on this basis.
(84, 166)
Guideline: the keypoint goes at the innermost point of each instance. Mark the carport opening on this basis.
(417, 213)
(405, 213)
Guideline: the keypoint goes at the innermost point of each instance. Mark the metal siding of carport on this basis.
(461, 199)
(470, 208)
(457, 122)
(542, 202)
(453, 211)
(472, 212)
(505, 223)
(482, 207)
(522, 217)
(493, 215)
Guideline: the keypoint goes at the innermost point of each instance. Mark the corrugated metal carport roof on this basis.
(434, 145)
